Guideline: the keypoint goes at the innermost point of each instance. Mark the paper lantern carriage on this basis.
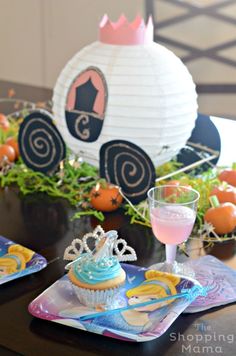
(123, 103)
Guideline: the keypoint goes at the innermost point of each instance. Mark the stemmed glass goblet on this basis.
(172, 212)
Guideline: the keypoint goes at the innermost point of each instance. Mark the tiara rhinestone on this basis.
(80, 246)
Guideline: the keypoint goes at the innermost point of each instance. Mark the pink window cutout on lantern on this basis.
(97, 79)
(86, 105)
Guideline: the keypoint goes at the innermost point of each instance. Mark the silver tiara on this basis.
(118, 247)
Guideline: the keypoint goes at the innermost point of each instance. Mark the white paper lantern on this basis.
(151, 99)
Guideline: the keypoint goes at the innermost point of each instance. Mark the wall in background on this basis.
(38, 37)
(203, 34)
(21, 45)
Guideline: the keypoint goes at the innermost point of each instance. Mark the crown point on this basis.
(138, 21)
(122, 19)
(104, 20)
(123, 32)
(150, 23)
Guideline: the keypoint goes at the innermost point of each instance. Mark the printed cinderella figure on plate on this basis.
(156, 285)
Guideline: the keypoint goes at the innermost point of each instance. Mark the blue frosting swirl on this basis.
(89, 271)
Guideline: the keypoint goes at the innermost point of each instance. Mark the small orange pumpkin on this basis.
(4, 123)
(228, 175)
(11, 141)
(175, 183)
(225, 193)
(221, 216)
(105, 197)
(7, 151)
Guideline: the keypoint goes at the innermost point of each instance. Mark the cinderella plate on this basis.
(17, 261)
(59, 304)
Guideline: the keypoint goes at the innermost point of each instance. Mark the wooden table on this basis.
(44, 225)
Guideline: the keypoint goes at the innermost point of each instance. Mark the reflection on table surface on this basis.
(44, 225)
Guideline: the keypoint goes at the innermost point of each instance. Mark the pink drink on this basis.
(172, 224)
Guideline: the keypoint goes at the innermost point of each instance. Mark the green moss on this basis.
(72, 183)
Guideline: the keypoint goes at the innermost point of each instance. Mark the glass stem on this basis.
(170, 253)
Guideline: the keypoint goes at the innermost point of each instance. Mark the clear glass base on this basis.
(174, 268)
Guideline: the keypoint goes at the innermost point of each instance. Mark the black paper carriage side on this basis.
(83, 122)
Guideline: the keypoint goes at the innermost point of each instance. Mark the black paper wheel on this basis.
(41, 146)
(128, 166)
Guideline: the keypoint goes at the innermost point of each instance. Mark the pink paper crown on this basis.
(123, 32)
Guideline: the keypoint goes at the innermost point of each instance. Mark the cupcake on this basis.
(96, 277)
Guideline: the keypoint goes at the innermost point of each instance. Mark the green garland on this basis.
(203, 183)
(72, 182)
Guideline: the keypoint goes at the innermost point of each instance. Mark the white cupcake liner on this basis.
(93, 298)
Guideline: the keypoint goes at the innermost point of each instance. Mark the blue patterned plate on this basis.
(60, 304)
(17, 261)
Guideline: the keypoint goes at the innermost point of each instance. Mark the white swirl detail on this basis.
(131, 173)
(139, 159)
(24, 139)
(39, 143)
